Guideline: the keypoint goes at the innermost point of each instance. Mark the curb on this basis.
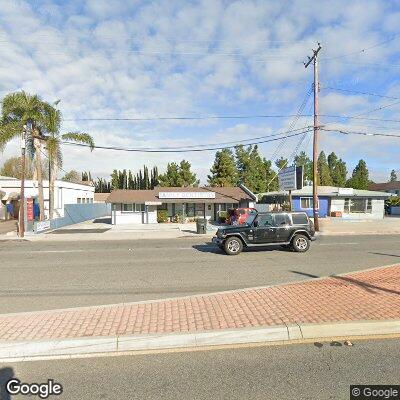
(58, 348)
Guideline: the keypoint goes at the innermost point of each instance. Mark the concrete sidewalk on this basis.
(359, 303)
(339, 226)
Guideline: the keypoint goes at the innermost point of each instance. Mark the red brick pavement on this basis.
(366, 295)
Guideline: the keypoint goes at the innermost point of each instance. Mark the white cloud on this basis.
(168, 58)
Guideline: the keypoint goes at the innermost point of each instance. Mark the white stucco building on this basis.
(64, 193)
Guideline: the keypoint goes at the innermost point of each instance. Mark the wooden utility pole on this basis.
(314, 60)
(21, 225)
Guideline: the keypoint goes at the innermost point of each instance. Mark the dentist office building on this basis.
(141, 206)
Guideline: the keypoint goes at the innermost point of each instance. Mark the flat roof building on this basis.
(333, 201)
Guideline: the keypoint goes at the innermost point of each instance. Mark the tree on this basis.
(253, 170)
(393, 176)
(178, 175)
(115, 180)
(187, 178)
(360, 176)
(19, 110)
(12, 167)
(71, 176)
(337, 170)
(223, 171)
(303, 160)
(281, 163)
(324, 176)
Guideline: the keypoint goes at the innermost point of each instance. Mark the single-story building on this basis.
(100, 197)
(388, 187)
(64, 193)
(345, 202)
(141, 206)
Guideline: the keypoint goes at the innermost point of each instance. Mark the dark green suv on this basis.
(292, 230)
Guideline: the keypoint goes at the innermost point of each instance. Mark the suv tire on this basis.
(233, 246)
(300, 243)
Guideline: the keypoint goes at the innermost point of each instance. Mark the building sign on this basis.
(291, 178)
(186, 195)
(29, 209)
(345, 191)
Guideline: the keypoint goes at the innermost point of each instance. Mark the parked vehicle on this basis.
(238, 216)
(293, 230)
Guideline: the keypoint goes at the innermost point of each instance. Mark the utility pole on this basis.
(21, 225)
(314, 60)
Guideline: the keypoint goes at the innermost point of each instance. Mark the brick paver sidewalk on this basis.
(366, 295)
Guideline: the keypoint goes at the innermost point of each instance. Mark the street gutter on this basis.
(282, 334)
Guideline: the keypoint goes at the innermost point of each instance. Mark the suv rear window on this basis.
(299, 219)
(281, 219)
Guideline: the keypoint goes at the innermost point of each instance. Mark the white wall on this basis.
(120, 217)
(64, 192)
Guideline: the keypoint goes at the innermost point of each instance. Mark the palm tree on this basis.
(19, 109)
(53, 146)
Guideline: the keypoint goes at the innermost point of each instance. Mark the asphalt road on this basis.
(49, 275)
(308, 371)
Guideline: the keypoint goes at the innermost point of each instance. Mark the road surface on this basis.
(308, 371)
(50, 275)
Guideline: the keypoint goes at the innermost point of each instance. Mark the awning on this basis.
(11, 196)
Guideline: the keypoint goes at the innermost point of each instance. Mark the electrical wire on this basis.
(359, 133)
(138, 150)
(357, 92)
(293, 123)
(363, 50)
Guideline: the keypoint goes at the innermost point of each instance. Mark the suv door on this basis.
(265, 232)
(283, 227)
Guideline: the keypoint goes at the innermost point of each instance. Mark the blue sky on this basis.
(143, 59)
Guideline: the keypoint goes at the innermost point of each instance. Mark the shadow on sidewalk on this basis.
(6, 374)
(369, 287)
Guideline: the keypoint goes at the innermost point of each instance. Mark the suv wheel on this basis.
(233, 246)
(300, 243)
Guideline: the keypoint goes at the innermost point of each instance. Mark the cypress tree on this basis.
(324, 176)
(360, 176)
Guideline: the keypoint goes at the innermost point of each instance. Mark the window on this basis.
(299, 219)
(127, 207)
(306, 202)
(265, 220)
(79, 200)
(200, 209)
(190, 209)
(281, 219)
(357, 205)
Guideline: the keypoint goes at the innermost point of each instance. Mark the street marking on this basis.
(330, 244)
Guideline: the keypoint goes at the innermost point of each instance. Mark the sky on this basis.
(141, 59)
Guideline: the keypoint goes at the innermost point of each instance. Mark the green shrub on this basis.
(223, 215)
(162, 216)
(178, 218)
(393, 201)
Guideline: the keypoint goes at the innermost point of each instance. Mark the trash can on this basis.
(201, 225)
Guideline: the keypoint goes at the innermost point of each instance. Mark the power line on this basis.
(138, 150)
(355, 91)
(363, 50)
(189, 118)
(360, 133)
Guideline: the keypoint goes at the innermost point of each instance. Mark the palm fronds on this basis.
(79, 137)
